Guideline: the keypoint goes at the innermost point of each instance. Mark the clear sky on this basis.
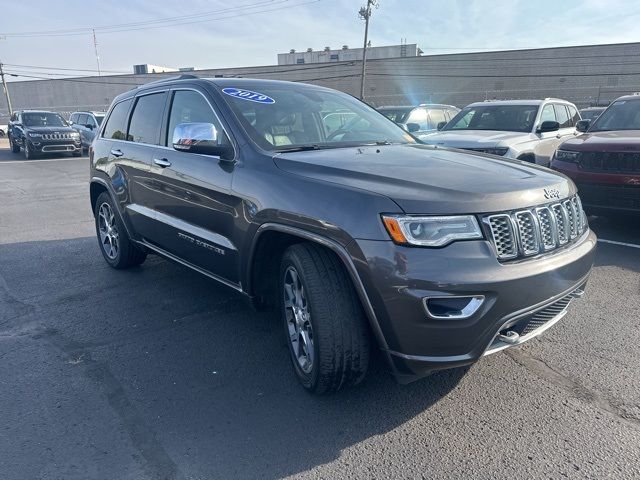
(252, 32)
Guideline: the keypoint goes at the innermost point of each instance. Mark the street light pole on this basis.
(6, 90)
(365, 13)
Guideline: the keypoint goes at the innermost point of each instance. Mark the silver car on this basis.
(529, 130)
(86, 123)
(422, 119)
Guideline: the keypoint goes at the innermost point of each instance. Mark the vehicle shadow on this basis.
(200, 383)
(616, 227)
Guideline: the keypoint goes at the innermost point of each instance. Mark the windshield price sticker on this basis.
(248, 95)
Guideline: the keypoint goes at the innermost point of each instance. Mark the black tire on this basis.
(14, 148)
(127, 254)
(28, 153)
(340, 336)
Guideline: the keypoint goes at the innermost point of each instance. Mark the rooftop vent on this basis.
(309, 49)
(345, 47)
(327, 49)
(293, 50)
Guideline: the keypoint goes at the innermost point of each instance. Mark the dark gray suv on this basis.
(359, 235)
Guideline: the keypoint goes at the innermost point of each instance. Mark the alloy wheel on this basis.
(108, 230)
(298, 320)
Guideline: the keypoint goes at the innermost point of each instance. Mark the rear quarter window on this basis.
(116, 127)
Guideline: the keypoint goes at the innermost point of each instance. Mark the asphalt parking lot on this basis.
(160, 373)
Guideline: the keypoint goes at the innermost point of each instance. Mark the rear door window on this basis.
(575, 116)
(146, 119)
(562, 116)
(116, 127)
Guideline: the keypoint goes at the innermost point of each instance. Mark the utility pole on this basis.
(95, 47)
(365, 14)
(6, 90)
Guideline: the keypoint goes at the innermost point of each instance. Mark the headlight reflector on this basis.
(500, 151)
(431, 231)
(567, 156)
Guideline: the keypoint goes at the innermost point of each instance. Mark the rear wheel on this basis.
(116, 247)
(323, 320)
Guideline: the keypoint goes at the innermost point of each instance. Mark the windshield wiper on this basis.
(300, 148)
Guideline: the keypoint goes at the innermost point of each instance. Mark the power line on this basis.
(63, 68)
(170, 21)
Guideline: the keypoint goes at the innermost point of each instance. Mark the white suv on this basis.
(529, 130)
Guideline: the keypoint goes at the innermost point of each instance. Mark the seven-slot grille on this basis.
(614, 162)
(56, 136)
(532, 231)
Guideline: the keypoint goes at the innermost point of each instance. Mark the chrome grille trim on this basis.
(56, 136)
(502, 232)
(548, 228)
(531, 231)
(528, 232)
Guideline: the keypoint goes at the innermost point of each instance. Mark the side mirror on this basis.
(583, 125)
(412, 127)
(89, 126)
(441, 125)
(549, 126)
(202, 138)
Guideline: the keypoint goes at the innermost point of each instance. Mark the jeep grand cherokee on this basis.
(359, 236)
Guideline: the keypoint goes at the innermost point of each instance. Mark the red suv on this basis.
(604, 161)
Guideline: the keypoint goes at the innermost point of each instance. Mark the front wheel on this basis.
(116, 247)
(28, 152)
(324, 323)
(14, 148)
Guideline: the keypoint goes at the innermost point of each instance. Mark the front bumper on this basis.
(55, 146)
(602, 190)
(398, 278)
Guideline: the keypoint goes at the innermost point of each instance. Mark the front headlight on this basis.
(75, 135)
(500, 151)
(567, 156)
(35, 135)
(431, 231)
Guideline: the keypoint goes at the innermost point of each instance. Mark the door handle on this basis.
(163, 162)
(116, 152)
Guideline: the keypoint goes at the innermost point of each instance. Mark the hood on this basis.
(615, 141)
(37, 129)
(475, 138)
(424, 179)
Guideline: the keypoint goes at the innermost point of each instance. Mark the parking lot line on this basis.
(41, 161)
(624, 244)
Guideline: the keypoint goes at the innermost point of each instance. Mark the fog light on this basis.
(455, 308)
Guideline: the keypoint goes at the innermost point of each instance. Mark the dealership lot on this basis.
(158, 372)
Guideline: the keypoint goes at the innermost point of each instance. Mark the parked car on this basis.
(361, 236)
(604, 161)
(37, 132)
(3, 131)
(591, 113)
(528, 130)
(86, 124)
(421, 119)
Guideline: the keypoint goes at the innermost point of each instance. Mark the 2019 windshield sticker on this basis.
(248, 95)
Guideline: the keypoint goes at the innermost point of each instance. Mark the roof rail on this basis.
(184, 76)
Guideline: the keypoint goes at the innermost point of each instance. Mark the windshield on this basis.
(621, 115)
(397, 115)
(508, 118)
(44, 119)
(283, 117)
